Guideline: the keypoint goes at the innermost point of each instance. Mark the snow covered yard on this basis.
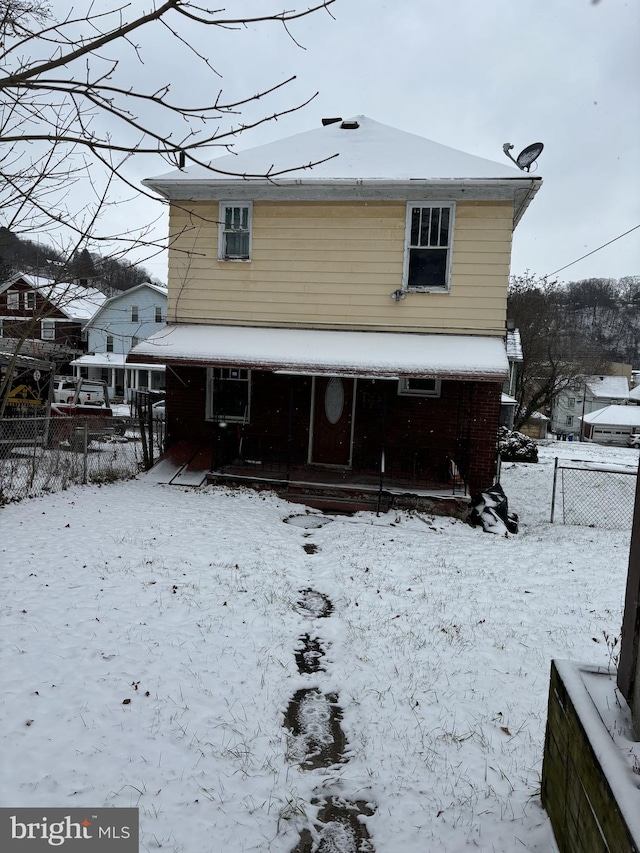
(148, 659)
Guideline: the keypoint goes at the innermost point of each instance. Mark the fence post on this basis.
(85, 454)
(553, 496)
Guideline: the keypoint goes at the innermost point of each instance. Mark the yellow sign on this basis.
(23, 395)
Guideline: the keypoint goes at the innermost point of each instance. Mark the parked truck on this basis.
(86, 417)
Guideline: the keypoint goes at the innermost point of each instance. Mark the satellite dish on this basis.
(526, 157)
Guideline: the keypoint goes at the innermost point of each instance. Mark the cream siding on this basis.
(335, 265)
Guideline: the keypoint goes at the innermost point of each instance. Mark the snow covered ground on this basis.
(148, 640)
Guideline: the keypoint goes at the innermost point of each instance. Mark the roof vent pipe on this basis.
(349, 125)
(326, 121)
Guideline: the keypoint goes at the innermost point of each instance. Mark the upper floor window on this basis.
(134, 313)
(135, 341)
(429, 238)
(158, 313)
(228, 394)
(109, 343)
(29, 300)
(234, 231)
(419, 387)
(571, 402)
(48, 330)
(13, 300)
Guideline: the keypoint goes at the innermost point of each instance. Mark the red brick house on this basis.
(340, 324)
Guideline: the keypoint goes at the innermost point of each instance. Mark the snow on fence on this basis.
(35, 460)
(593, 495)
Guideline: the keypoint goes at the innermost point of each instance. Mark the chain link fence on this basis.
(593, 496)
(41, 454)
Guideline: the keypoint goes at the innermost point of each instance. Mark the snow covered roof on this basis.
(109, 359)
(356, 153)
(385, 355)
(611, 387)
(75, 301)
(615, 416)
(514, 345)
(161, 291)
(507, 400)
(634, 394)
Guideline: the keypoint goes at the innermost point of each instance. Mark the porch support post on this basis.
(628, 681)
(290, 428)
(383, 444)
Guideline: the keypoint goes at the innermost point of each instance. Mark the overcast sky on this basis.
(472, 75)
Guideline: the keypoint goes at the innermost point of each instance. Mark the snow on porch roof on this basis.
(384, 355)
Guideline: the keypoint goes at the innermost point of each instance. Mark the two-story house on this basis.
(45, 317)
(337, 309)
(121, 323)
(584, 395)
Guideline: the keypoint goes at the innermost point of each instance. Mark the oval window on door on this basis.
(334, 400)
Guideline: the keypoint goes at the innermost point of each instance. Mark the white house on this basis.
(584, 395)
(120, 324)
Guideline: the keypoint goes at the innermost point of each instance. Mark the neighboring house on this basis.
(509, 404)
(634, 396)
(49, 315)
(343, 322)
(119, 324)
(611, 425)
(584, 395)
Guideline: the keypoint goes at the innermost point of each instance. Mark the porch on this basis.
(347, 490)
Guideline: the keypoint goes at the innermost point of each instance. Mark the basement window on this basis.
(234, 231)
(428, 243)
(228, 394)
(419, 387)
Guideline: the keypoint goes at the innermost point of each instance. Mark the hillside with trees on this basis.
(568, 330)
(19, 255)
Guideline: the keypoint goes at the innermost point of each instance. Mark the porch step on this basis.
(341, 503)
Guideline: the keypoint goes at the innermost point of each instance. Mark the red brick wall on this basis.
(420, 434)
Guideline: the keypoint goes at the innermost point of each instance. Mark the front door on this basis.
(332, 421)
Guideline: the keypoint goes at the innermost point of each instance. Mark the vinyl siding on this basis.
(335, 265)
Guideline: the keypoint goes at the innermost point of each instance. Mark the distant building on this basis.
(121, 323)
(584, 395)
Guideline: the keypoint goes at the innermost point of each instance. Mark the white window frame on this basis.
(135, 314)
(571, 402)
(408, 246)
(210, 414)
(158, 313)
(13, 300)
(569, 420)
(405, 389)
(222, 255)
(48, 330)
(134, 341)
(109, 344)
(29, 300)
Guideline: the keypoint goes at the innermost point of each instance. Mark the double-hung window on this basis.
(109, 346)
(13, 300)
(234, 231)
(228, 394)
(429, 239)
(134, 314)
(48, 330)
(29, 300)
